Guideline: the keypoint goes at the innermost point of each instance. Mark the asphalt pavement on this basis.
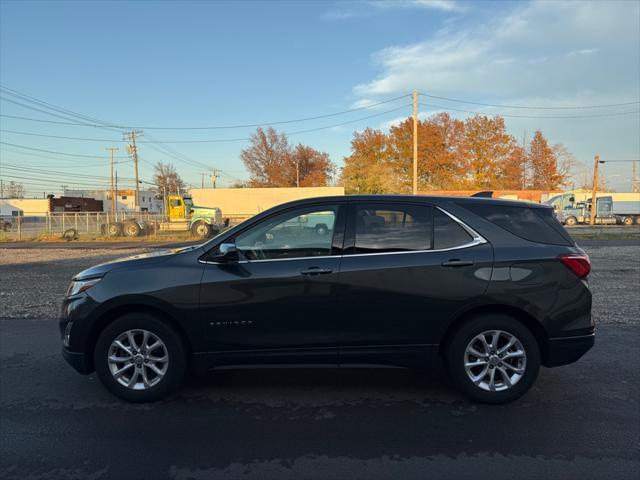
(580, 421)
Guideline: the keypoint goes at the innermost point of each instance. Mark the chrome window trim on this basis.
(476, 239)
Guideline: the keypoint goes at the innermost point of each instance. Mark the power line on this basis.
(36, 171)
(442, 107)
(44, 181)
(531, 107)
(32, 134)
(74, 164)
(220, 140)
(55, 108)
(56, 152)
(621, 161)
(100, 123)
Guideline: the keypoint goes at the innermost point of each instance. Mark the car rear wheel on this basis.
(627, 221)
(140, 358)
(571, 221)
(493, 359)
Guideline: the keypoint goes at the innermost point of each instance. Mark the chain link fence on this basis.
(73, 224)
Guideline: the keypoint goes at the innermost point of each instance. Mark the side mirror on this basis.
(227, 253)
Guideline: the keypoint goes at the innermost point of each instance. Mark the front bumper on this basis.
(76, 312)
(77, 360)
(562, 351)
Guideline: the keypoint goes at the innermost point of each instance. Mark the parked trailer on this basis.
(611, 208)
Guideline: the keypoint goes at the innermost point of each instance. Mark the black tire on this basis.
(131, 228)
(627, 221)
(321, 229)
(637, 220)
(114, 229)
(571, 221)
(455, 357)
(176, 353)
(201, 229)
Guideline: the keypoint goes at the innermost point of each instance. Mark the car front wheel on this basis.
(493, 359)
(140, 358)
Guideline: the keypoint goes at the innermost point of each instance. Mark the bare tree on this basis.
(167, 179)
(15, 190)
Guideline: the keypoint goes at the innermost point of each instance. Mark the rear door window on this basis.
(533, 224)
(381, 228)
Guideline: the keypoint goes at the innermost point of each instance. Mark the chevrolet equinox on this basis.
(494, 288)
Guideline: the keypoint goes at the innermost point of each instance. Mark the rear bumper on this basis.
(562, 351)
(77, 360)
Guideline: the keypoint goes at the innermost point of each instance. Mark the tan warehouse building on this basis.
(241, 203)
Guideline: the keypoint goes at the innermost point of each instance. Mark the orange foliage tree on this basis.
(272, 162)
(477, 153)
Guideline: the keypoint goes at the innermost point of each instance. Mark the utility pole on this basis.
(524, 159)
(64, 189)
(415, 142)
(1, 188)
(113, 192)
(133, 150)
(214, 178)
(596, 162)
(202, 179)
(297, 173)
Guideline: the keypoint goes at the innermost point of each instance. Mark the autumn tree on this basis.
(271, 162)
(167, 179)
(486, 151)
(477, 153)
(369, 168)
(543, 162)
(312, 168)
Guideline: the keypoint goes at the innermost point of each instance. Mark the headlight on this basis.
(78, 286)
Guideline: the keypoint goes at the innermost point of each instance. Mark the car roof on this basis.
(432, 199)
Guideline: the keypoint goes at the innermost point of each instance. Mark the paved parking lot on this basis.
(579, 421)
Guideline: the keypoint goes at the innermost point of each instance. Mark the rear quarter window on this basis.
(533, 224)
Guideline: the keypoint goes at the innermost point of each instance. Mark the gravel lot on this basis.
(579, 421)
(34, 280)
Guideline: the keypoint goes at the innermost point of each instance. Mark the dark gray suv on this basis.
(494, 288)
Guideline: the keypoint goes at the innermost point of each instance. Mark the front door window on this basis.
(297, 234)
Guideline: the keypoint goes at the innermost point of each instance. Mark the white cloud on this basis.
(584, 51)
(365, 8)
(520, 54)
(543, 54)
(446, 5)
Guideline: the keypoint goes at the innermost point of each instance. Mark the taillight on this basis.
(578, 264)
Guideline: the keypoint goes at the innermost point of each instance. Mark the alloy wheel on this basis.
(138, 359)
(495, 360)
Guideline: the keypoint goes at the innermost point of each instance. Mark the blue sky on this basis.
(225, 63)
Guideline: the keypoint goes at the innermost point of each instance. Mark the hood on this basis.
(133, 261)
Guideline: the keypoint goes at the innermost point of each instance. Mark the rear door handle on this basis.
(316, 271)
(457, 263)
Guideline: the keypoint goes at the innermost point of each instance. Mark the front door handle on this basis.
(316, 271)
(457, 263)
